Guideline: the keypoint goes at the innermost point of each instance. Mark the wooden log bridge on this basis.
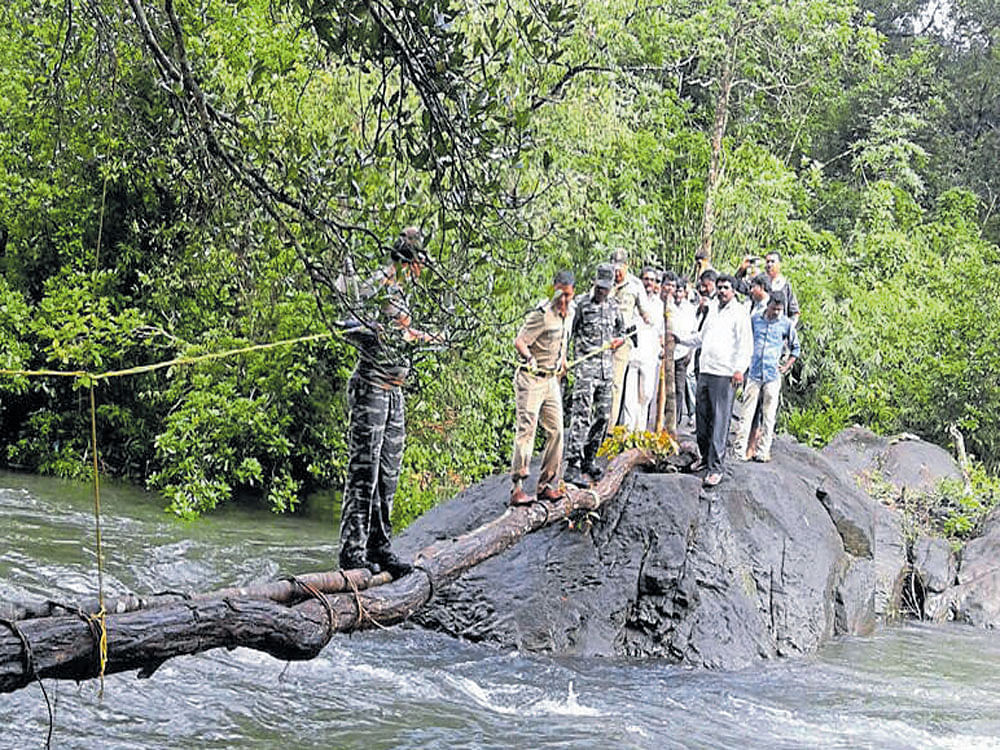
(291, 620)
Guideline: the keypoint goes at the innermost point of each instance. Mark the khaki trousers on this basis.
(752, 391)
(537, 398)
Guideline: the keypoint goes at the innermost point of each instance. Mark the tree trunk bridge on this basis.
(290, 620)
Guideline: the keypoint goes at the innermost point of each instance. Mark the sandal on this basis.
(519, 497)
(711, 480)
(551, 493)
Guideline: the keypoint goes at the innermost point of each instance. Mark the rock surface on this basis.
(966, 587)
(905, 461)
(774, 561)
(976, 597)
(757, 567)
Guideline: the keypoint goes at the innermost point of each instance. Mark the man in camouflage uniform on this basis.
(375, 399)
(631, 298)
(541, 344)
(597, 327)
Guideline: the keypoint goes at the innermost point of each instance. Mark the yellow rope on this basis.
(100, 550)
(166, 363)
(100, 618)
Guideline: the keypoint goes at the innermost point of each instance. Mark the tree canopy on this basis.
(186, 176)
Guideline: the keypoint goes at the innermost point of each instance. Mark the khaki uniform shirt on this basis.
(630, 295)
(546, 334)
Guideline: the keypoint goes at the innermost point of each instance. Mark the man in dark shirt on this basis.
(597, 327)
(375, 399)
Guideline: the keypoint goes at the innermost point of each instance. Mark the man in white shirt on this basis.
(772, 266)
(683, 322)
(726, 347)
(644, 360)
(630, 296)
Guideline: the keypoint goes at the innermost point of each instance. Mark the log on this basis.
(65, 646)
(286, 591)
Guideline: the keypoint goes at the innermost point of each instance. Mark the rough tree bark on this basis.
(666, 402)
(287, 619)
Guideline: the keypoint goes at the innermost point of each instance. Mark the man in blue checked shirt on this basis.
(773, 331)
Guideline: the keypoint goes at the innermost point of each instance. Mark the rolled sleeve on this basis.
(532, 328)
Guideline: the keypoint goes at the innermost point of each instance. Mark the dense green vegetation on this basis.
(185, 176)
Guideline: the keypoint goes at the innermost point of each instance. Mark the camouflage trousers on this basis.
(589, 414)
(375, 454)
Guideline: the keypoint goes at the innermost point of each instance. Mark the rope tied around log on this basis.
(545, 506)
(362, 613)
(97, 624)
(315, 593)
(430, 579)
(31, 670)
(95, 636)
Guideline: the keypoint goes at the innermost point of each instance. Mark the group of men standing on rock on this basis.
(617, 329)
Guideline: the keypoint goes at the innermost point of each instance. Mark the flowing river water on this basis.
(914, 686)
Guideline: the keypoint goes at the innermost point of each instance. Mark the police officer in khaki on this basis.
(630, 295)
(541, 344)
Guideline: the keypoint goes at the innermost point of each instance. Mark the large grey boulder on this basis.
(940, 584)
(934, 567)
(934, 563)
(891, 562)
(758, 567)
(904, 461)
(855, 451)
(976, 597)
(774, 561)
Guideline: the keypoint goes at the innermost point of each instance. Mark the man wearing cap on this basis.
(383, 335)
(630, 296)
(597, 331)
(773, 333)
(541, 345)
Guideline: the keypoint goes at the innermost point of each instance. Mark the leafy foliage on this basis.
(660, 445)
(186, 176)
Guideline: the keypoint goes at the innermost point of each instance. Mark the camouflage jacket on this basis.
(384, 353)
(594, 326)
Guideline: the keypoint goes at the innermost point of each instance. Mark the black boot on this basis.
(573, 475)
(357, 561)
(388, 561)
